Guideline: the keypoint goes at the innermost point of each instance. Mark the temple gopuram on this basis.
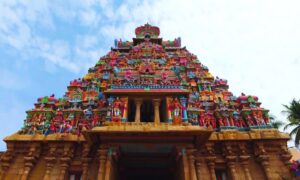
(148, 110)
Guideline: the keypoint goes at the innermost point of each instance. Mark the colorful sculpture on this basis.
(144, 64)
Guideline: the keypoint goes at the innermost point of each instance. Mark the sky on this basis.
(254, 44)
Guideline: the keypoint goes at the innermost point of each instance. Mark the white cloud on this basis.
(20, 21)
(89, 17)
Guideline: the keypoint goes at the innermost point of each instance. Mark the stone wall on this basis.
(239, 158)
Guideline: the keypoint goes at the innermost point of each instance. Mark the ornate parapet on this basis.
(259, 134)
(40, 137)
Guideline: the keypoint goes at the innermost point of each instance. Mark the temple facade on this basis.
(148, 109)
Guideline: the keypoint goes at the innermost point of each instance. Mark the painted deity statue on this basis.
(117, 107)
(210, 120)
(236, 120)
(128, 76)
(250, 120)
(147, 67)
(164, 76)
(258, 116)
(88, 113)
(175, 109)
(226, 121)
(95, 119)
(201, 119)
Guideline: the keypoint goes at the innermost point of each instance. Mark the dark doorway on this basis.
(147, 162)
(146, 165)
(147, 111)
(163, 110)
(131, 110)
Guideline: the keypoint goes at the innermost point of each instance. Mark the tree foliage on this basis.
(293, 116)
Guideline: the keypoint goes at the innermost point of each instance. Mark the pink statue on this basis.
(231, 121)
(128, 74)
(250, 121)
(164, 76)
(183, 61)
(221, 123)
(210, 120)
(226, 121)
(201, 119)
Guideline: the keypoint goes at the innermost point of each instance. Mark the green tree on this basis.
(276, 123)
(293, 116)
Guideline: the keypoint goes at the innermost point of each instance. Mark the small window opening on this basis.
(75, 175)
(221, 174)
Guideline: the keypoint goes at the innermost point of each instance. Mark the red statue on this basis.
(117, 110)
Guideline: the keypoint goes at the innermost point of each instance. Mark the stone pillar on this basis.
(64, 164)
(85, 166)
(156, 103)
(65, 160)
(27, 167)
(108, 165)
(184, 111)
(30, 159)
(244, 162)
(285, 157)
(211, 166)
(85, 161)
(185, 163)
(102, 159)
(138, 104)
(263, 158)
(231, 165)
(50, 161)
(191, 158)
(198, 169)
(264, 161)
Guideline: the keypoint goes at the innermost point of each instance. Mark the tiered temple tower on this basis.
(149, 109)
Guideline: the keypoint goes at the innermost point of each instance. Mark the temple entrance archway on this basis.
(147, 162)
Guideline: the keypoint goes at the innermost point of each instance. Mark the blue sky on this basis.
(45, 44)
